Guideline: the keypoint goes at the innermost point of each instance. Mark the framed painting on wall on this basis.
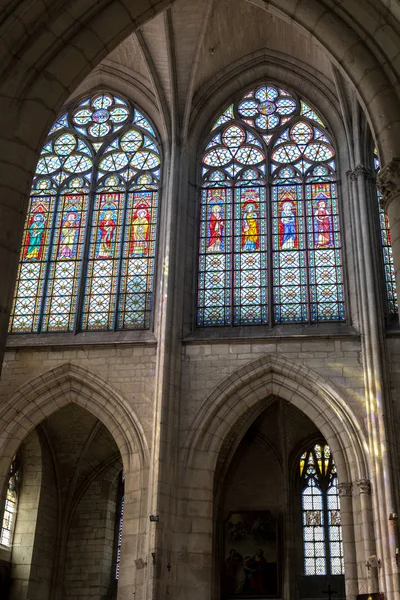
(251, 556)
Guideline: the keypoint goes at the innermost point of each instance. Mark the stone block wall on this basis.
(89, 567)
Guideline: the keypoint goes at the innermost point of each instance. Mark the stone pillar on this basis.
(367, 528)
(350, 559)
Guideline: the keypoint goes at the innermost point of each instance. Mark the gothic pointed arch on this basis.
(270, 242)
(250, 386)
(88, 252)
(71, 383)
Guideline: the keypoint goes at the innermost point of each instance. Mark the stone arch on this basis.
(297, 384)
(71, 383)
(226, 414)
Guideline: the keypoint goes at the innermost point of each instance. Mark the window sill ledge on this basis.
(84, 338)
(248, 333)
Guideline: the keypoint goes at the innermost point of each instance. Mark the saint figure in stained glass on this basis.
(250, 233)
(88, 256)
(322, 222)
(272, 142)
(287, 226)
(69, 231)
(216, 228)
(106, 233)
(35, 235)
(140, 231)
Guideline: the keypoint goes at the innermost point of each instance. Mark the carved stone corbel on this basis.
(345, 489)
(364, 486)
(389, 182)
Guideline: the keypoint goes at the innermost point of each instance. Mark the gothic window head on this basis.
(321, 520)
(88, 251)
(270, 244)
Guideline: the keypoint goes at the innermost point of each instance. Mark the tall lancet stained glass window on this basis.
(322, 529)
(270, 246)
(390, 277)
(88, 252)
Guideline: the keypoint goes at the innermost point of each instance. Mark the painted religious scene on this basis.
(251, 556)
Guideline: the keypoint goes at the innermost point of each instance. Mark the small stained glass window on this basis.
(322, 527)
(270, 244)
(390, 276)
(10, 506)
(88, 252)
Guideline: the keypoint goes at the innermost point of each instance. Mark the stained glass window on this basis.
(270, 247)
(322, 527)
(390, 277)
(88, 252)
(10, 506)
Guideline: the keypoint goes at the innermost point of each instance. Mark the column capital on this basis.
(359, 171)
(389, 182)
(345, 489)
(364, 486)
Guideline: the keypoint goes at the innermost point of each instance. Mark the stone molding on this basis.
(364, 486)
(345, 489)
(389, 182)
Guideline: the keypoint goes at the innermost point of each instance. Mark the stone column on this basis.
(367, 528)
(377, 392)
(350, 559)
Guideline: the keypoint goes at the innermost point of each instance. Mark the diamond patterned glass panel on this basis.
(322, 529)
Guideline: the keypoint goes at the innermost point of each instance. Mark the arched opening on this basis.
(64, 532)
(270, 539)
(86, 414)
(240, 404)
